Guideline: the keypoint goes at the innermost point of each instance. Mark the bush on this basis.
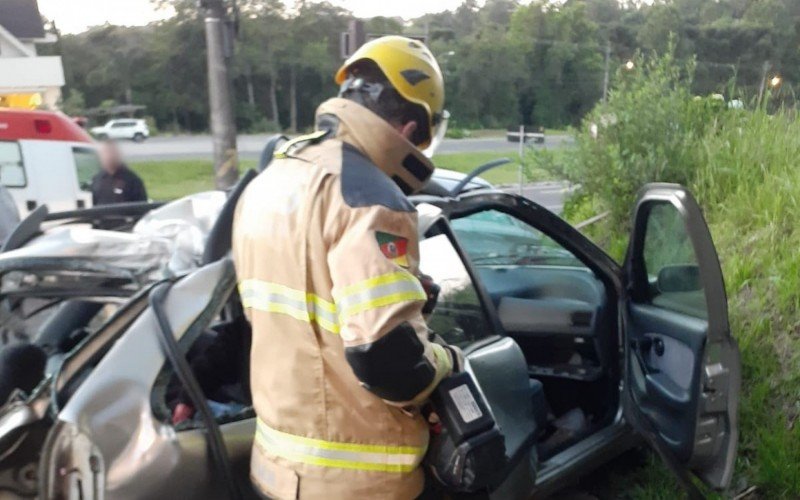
(152, 125)
(457, 133)
(650, 130)
(252, 121)
(742, 167)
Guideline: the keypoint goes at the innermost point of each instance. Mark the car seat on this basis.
(21, 367)
(219, 238)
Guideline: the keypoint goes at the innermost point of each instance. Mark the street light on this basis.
(629, 65)
(775, 81)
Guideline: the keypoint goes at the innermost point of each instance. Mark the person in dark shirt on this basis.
(115, 183)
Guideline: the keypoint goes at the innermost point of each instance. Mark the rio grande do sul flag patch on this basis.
(394, 248)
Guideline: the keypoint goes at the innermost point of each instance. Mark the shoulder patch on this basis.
(364, 185)
(393, 247)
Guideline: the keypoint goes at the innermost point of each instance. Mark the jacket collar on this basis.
(375, 138)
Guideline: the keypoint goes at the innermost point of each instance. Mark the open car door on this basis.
(682, 373)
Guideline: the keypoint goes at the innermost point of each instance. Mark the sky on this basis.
(74, 16)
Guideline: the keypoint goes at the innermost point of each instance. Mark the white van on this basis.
(46, 159)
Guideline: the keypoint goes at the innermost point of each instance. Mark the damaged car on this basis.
(573, 357)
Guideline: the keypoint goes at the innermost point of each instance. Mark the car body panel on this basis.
(113, 407)
(683, 372)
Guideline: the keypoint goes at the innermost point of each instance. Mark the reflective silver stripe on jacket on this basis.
(380, 291)
(276, 298)
(381, 458)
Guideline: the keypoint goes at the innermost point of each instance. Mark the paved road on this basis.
(548, 194)
(199, 146)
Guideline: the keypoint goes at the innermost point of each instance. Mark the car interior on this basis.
(557, 309)
(54, 304)
(51, 305)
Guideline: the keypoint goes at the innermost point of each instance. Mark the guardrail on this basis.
(592, 220)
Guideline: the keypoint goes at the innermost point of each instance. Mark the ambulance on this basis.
(46, 159)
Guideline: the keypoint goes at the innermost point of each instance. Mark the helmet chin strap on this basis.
(359, 90)
(385, 146)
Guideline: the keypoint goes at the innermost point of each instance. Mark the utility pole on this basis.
(223, 126)
(763, 87)
(605, 74)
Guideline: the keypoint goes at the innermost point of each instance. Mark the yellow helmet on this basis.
(413, 72)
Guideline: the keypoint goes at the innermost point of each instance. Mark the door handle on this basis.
(640, 347)
(30, 204)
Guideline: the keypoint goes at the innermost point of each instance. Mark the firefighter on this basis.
(326, 252)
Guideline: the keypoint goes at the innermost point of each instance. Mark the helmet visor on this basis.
(438, 135)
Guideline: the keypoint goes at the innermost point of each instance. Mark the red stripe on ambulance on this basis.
(16, 125)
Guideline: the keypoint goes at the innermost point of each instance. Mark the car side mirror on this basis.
(679, 278)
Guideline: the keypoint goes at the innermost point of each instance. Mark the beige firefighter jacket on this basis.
(326, 251)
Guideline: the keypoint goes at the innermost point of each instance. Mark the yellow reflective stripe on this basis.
(386, 300)
(335, 454)
(277, 298)
(380, 291)
(331, 462)
(383, 279)
(265, 287)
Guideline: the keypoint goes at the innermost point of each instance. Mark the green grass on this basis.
(171, 179)
(168, 180)
(506, 174)
(745, 177)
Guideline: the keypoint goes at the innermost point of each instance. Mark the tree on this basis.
(563, 60)
(74, 104)
(476, 99)
(663, 22)
(538, 62)
(264, 41)
(312, 56)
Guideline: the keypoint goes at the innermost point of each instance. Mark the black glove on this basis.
(431, 291)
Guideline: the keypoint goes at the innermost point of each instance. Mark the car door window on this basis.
(548, 300)
(671, 263)
(87, 164)
(495, 238)
(458, 317)
(12, 170)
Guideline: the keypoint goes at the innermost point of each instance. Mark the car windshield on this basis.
(494, 238)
